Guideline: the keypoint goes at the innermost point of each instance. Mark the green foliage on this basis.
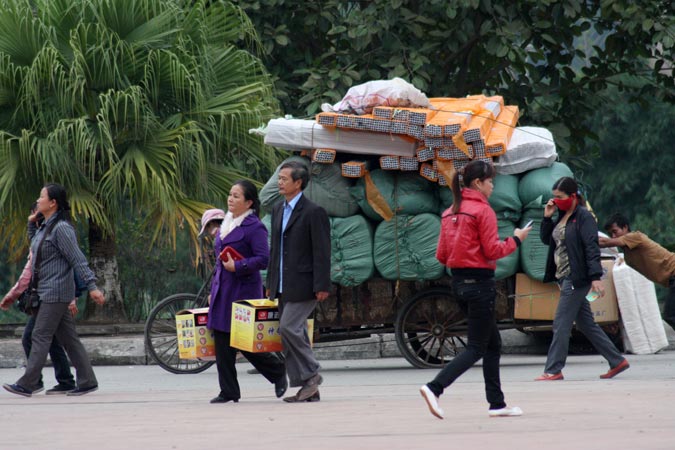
(9, 273)
(549, 57)
(633, 173)
(165, 271)
(141, 104)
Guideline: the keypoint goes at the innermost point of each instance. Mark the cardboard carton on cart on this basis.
(538, 301)
(255, 326)
(195, 341)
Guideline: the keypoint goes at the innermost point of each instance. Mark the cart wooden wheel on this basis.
(161, 341)
(431, 328)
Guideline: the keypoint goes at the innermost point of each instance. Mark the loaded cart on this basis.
(381, 172)
(428, 324)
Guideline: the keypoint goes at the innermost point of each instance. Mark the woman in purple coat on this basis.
(243, 231)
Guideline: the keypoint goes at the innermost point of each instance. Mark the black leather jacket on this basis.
(581, 239)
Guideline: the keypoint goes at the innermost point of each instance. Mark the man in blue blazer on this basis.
(298, 275)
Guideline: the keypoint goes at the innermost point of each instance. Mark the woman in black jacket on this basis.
(574, 262)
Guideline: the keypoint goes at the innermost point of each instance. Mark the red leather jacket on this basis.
(469, 239)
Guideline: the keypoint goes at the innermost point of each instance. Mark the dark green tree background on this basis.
(550, 57)
(598, 74)
(133, 105)
(634, 171)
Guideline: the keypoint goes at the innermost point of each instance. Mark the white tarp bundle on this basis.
(529, 148)
(643, 331)
(298, 134)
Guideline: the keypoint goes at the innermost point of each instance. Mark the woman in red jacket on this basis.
(469, 245)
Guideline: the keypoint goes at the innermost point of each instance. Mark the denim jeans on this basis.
(58, 356)
(573, 307)
(477, 298)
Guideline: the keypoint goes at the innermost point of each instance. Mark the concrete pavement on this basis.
(366, 404)
(123, 345)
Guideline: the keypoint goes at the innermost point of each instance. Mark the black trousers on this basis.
(477, 296)
(268, 364)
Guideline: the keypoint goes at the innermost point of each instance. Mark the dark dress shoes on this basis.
(61, 389)
(82, 391)
(17, 389)
(295, 399)
(310, 387)
(281, 386)
(221, 399)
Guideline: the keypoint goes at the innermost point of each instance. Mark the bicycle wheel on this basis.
(430, 329)
(161, 341)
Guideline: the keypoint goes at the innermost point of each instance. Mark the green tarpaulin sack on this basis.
(444, 199)
(505, 199)
(267, 221)
(509, 265)
(405, 193)
(327, 188)
(533, 252)
(536, 185)
(405, 248)
(351, 240)
(330, 190)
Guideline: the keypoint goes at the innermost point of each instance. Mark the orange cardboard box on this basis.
(538, 301)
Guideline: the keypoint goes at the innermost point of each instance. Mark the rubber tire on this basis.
(166, 331)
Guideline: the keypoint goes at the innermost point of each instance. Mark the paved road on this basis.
(366, 404)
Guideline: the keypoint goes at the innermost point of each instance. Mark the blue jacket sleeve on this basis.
(80, 285)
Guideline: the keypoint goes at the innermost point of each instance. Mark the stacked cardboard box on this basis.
(255, 326)
(538, 301)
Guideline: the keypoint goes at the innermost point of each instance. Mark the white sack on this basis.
(363, 98)
(643, 328)
(529, 148)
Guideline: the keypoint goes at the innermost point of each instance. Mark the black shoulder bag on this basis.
(29, 301)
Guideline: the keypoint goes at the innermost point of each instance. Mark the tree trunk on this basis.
(103, 261)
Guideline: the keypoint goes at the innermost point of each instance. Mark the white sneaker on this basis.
(432, 401)
(506, 412)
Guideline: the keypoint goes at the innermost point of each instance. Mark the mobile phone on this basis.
(528, 224)
(592, 296)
